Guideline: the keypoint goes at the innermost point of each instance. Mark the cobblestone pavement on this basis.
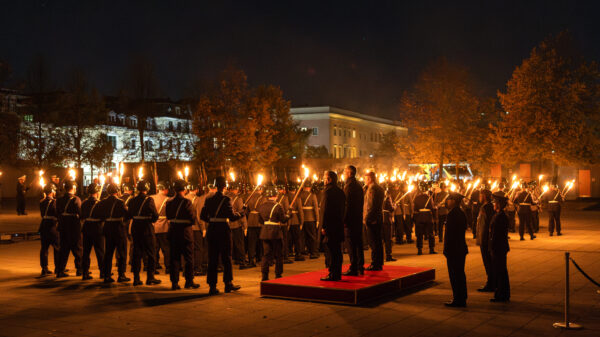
(49, 307)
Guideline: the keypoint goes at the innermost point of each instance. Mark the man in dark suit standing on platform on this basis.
(498, 246)
(333, 206)
(455, 250)
(353, 226)
(373, 219)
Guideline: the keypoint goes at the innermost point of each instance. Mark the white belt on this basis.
(254, 212)
(553, 202)
(424, 210)
(307, 207)
(114, 219)
(525, 204)
(48, 217)
(93, 220)
(386, 211)
(179, 221)
(271, 223)
(142, 218)
(69, 214)
(162, 217)
(218, 220)
(295, 212)
(474, 203)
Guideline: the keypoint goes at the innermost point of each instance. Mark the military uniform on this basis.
(92, 235)
(180, 215)
(199, 228)
(68, 208)
(283, 200)
(388, 224)
(498, 246)
(423, 208)
(523, 200)
(161, 228)
(238, 227)
(49, 234)
(475, 206)
(115, 215)
(254, 245)
(143, 212)
(554, 200)
(272, 217)
(217, 212)
(455, 251)
(310, 208)
(441, 212)
(296, 242)
(405, 208)
(396, 193)
(373, 220)
(21, 191)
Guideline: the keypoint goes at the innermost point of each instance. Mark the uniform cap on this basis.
(69, 185)
(50, 188)
(499, 195)
(220, 182)
(269, 191)
(112, 188)
(179, 185)
(161, 186)
(93, 188)
(143, 186)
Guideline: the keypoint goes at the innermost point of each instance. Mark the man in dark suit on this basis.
(455, 250)
(353, 226)
(484, 219)
(373, 219)
(333, 206)
(498, 246)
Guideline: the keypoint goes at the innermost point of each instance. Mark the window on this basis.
(334, 131)
(353, 133)
(170, 126)
(28, 118)
(133, 143)
(315, 131)
(149, 145)
(160, 145)
(113, 141)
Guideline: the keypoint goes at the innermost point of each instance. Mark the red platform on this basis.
(351, 289)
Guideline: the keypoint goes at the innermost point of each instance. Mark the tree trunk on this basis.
(441, 165)
(141, 132)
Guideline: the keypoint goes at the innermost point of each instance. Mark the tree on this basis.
(442, 114)
(82, 108)
(316, 152)
(551, 108)
(100, 154)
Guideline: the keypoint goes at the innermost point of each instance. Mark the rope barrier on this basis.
(584, 273)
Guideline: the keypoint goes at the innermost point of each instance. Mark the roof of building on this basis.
(332, 111)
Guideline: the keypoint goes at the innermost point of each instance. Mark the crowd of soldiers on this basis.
(204, 230)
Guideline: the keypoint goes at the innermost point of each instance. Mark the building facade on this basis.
(345, 133)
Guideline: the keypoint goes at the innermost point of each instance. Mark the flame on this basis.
(393, 178)
(315, 178)
(121, 168)
(514, 185)
(116, 180)
(343, 176)
(381, 178)
(453, 188)
(403, 175)
(514, 177)
(476, 183)
(42, 182)
(494, 185)
(298, 179)
(306, 171)
(540, 177)
(232, 176)
(447, 182)
(545, 188)
(41, 173)
(186, 171)
(141, 173)
(259, 180)
(180, 174)
(411, 187)
(72, 174)
(102, 179)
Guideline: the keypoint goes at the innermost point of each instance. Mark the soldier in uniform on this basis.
(523, 200)
(373, 219)
(554, 199)
(272, 216)
(143, 212)
(310, 207)
(59, 188)
(333, 209)
(282, 199)
(115, 215)
(21, 191)
(395, 194)
(92, 232)
(295, 222)
(49, 235)
(388, 224)
(486, 212)
(180, 215)
(475, 206)
(217, 212)
(197, 197)
(238, 227)
(68, 208)
(455, 250)
(498, 246)
(353, 222)
(423, 208)
(441, 210)
(510, 212)
(404, 204)
(254, 244)
(161, 226)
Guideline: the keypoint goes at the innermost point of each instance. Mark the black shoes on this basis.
(522, 239)
(374, 268)
(299, 258)
(152, 282)
(229, 287)
(485, 289)
(62, 274)
(312, 257)
(431, 251)
(213, 290)
(420, 252)
(390, 259)
(191, 285)
(123, 279)
(45, 272)
(137, 282)
(109, 280)
(499, 300)
(86, 276)
(350, 273)
(558, 234)
(331, 278)
(78, 273)
(454, 304)
(288, 261)
(175, 286)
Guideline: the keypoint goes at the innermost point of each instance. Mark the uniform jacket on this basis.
(237, 204)
(354, 204)
(486, 212)
(440, 203)
(115, 215)
(333, 210)
(454, 235)
(92, 224)
(296, 213)
(271, 212)
(68, 208)
(523, 201)
(553, 199)
(143, 212)
(49, 216)
(180, 215)
(373, 205)
(422, 201)
(498, 242)
(388, 209)
(197, 204)
(161, 225)
(310, 206)
(253, 203)
(21, 190)
(211, 209)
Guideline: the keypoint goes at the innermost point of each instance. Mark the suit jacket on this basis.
(498, 242)
(333, 208)
(454, 235)
(354, 205)
(373, 205)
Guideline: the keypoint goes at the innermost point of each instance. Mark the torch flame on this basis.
(494, 185)
(180, 174)
(259, 180)
(514, 177)
(42, 182)
(102, 179)
(540, 177)
(315, 178)
(141, 173)
(453, 187)
(186, 171)
(116, 180)
(411, 187)
(72, 174)
(41, 173)
(306, 171)
(232, 176)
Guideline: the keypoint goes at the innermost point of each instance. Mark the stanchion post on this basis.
(567, 324)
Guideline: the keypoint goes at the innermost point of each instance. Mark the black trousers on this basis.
(20, 205)
(295, 237)
(200, 261)
(441, 223)
(407, 224)
(554, 221)
(254, 245)
(374, 233)
(92, 238)
(487, 264)
(502, 284)
(273, 251)
(336, 258)
(239, 246)
(144, 247)
(511, 221)
(116, 240)
(162, 244)
(181, 244)
(285, 231)
(398, 228)
(50, 239)
(310, 237)
(425, 229)
(354, 246)
(71, 242)
(535, 220)
(387, 237)
(218, 237)
(525, 220)
(458, 279)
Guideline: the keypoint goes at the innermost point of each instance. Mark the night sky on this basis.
(356, 55)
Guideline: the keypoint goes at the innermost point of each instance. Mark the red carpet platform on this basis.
(351, 289)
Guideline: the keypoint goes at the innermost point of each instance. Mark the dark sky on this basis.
(356, 55)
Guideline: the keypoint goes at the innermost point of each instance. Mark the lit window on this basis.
(113, 141)
(353, 133)
(28, 118)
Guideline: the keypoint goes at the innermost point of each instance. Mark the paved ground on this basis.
(48, 307)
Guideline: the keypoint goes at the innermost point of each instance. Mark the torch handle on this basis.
(251, 194)
(297, 192)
